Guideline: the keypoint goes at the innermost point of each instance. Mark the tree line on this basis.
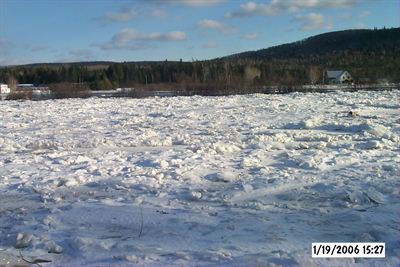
(298, 63)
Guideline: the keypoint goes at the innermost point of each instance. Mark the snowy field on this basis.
(199, 181)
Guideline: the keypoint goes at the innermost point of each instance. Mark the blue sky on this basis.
(119, 30)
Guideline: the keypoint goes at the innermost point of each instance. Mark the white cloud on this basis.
(131, 39)
(250, 36)
(278, 6)
(251, 9)
(196, 3)
(125, 14)
(210, 45)
(210, 24)
(216, 25)
(174, 36)
(321, 3)
(312, 21)
(126, 35)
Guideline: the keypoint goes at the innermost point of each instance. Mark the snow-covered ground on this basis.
(199, 181)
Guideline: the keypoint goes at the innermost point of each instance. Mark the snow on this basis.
(199, 181)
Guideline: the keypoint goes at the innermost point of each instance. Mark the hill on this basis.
(369, 55)
(348, 41)
(87, 64)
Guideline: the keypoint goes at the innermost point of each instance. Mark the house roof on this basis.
(334, 73)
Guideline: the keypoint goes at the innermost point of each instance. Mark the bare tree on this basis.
(314, 74)
(70, 90)
(12, 83)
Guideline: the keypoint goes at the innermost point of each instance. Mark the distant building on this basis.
(162, 93)
(25, 85)
(4, 89)
(31, 87)
(338, 77)
(125, 89)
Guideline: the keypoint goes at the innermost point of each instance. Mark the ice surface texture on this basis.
(199, 181)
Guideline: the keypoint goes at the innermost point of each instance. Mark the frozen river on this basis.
(199, 181)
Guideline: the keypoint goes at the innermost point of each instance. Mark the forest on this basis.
(369, 55)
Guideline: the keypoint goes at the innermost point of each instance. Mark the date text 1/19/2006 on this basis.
(348, 250)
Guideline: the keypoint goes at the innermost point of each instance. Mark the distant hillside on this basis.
(348, 41)
(369, 55)
(88, 64)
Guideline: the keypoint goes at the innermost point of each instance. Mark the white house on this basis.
(4, 89)
(338, 77)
